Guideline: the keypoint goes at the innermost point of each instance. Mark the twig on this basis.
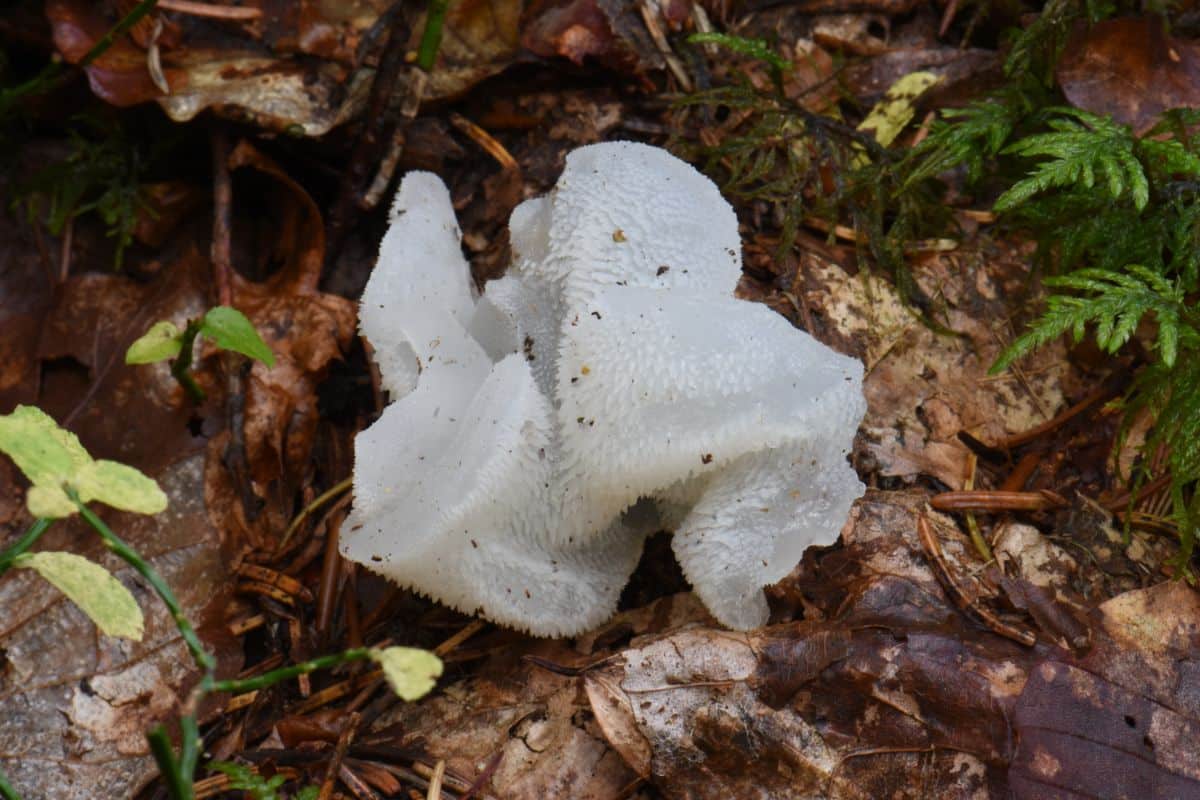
(933, 550)
(434, 792)
(220, 253)
(1099, 393)
(485, 776)
(327, 591)
(997, 501)
(981, 544)
(349, 728)
(210, 10)
(319, 501)
(484, 140)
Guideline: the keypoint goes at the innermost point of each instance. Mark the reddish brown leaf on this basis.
(1131, 69)
(306, 330)
(609, 31)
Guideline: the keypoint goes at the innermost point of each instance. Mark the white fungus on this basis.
(608, 386)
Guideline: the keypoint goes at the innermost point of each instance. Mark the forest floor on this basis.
(986, 626)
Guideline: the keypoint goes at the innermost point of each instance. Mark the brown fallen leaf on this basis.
(891, 691)
(306, 330)
(1124, 721)
(535, 721)
(609, 31)
(923, 387)
(294, 69)
(1131, 69)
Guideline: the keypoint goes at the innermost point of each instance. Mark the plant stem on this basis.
(6, 789)
(181, 365)
(284, 673)
(34, 533)
(204, 660)
(160, 746)
(431, 38)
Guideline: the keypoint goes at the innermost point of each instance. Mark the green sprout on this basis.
(228, 328)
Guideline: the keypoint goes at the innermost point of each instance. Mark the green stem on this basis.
(189, 753)
(202, 657)
(284, 673)
(181, 365)
(431, 38)
(6, 789)
(168, 766)
(34, 533)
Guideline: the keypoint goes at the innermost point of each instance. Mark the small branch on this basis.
(221, 251)
(204, 660)
(997, 501)
(27, 541)
(320, 500)
(286, 673)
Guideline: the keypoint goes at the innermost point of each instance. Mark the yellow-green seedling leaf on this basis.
(120, 486)
(230, 329)
(44, 452)
(161, 342)
(90, 586)
(889, 116)
(49, 502)
(52, 459)
(410, 671)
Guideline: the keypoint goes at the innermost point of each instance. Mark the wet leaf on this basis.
(1130, 69)
(157, 344)
(230, 329)
(90, 586)
(411, 672)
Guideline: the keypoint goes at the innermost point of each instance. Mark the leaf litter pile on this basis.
(1010, 609)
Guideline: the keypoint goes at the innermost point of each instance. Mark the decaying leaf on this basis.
(923, 386)
(609, 31)
(892, 690)
(898, 106)
(1131, 69)
(533, 725)
(306, 330)
(313, 75)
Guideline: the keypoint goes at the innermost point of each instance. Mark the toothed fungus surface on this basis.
(608, 386)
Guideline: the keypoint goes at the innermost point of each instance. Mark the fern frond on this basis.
(1079, 147)
(1115, 303)
(969, 136)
